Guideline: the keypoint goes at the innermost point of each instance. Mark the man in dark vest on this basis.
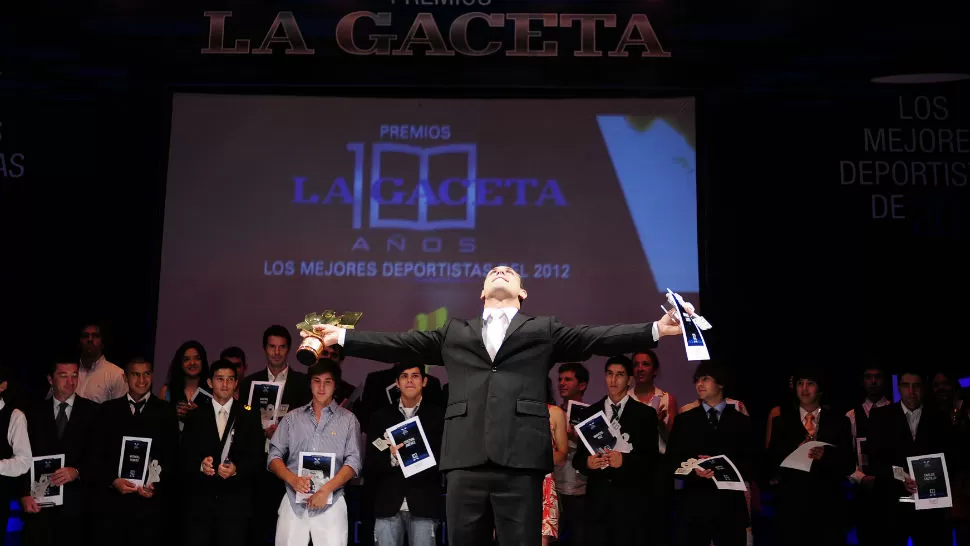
(497, 446)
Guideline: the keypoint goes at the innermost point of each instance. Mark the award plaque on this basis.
(312, 346)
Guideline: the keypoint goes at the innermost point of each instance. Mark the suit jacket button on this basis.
(494, 369)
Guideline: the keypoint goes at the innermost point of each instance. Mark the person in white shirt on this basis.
(98, 380)
(15, 454)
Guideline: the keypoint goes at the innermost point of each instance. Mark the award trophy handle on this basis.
(312, 346)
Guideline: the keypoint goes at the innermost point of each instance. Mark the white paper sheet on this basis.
(799, 459)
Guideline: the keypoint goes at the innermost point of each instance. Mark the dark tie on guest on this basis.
(712, 417)
(616, 413)
(137, 406)
(61, 421)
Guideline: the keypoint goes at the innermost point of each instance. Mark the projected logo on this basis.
(431, 321)
(425, 188)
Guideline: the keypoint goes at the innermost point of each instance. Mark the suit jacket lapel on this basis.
(517, 321)
(476, 325)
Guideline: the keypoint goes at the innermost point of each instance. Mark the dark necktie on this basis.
(137, 406)
(616, 413)
(61, 420)
(712, 417)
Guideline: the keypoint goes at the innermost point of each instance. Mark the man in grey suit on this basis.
(497, 446)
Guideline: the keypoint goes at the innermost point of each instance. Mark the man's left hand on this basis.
(227, 470)
(319, 499)
(668, 325)
(615, 458)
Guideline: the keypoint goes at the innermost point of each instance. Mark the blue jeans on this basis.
(391, 531)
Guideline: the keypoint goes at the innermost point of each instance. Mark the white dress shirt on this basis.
(281, 378)
(19, 464)
(608, 408)
(103, 382)
(912, 417)
(132, 401)
(68, 409)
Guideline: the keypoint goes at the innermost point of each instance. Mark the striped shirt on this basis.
(337, 432)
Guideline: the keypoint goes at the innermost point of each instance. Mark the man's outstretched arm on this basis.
(580, 342)
(391, 347)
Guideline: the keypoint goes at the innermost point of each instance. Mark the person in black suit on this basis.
(421, 493)
(64, 425)
(137, 509)
(497, 445)
(220, 455)
(897, 431)
(615, 481)
(815, 496)
(712, 427)
(375, 395)
(277, 343)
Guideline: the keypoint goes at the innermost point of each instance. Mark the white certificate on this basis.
(320, 467)
(694, 343)
(599, 435)
(726, 475)
(932, 481)
(415, 455)
(133, 464)
(393, 393)
(265, 396)
(201, 397)
(41, 470)
(799, 459)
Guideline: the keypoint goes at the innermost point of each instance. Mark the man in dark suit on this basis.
(497, 445)
(405, 506)
(379, 393)
(61, 425)
(220, 455)
(296, 393)
(615, 483)
(816, 495)
(132, 509)
(897, 431)
(712, 427)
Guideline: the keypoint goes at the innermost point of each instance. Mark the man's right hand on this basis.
(124, 486)
(29, 505)
(207, 467)
(301, 484)
(329, 333)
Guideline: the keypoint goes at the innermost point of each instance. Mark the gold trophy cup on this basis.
(312, 345)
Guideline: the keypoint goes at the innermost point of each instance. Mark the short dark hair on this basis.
(234, 352)
(580, 371)
(910, 370)
(622, 360)
(713, 369)
(53, 367)
(654, 359)
(402, 367)
(222, 364)
(325, 365)
(278, 331)
(139, 360)
(810, 372)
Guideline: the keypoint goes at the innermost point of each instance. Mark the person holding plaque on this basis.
(905, 429)
(818, 491)
(711, 427)
(497, 446)
(320, 427)
(62, 425)
(615, 480)
(135, 505)
(219, 457)
(410, 506)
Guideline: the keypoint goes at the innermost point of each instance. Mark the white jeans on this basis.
(327, 528)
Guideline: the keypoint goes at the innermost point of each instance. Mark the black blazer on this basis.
(296, 390)
(890, 442)
(423, 490)
(78, 449)
(375, 393)
(496, 410)
(692, 436)
(200, 439)
(158, 421)
(640, 421)
(824, 481)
